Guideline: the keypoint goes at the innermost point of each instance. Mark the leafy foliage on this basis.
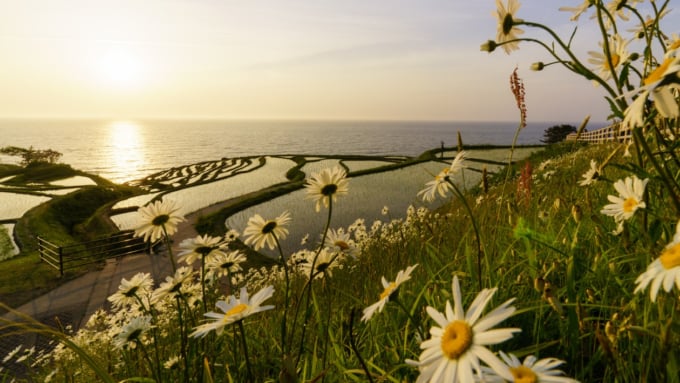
(557, 133)
(31, 156)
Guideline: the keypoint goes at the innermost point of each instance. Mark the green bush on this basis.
(6, 247)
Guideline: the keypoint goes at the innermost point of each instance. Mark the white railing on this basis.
(607, 134)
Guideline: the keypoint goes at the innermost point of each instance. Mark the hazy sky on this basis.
(339, 59)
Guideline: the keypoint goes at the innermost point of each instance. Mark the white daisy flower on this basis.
(201, 247)
(663, 271)
(618, 53)
(390, 289)
(132, 332)
(173, 285)
(327, 185)
(578, 10)
(157, 219)
(261, 232)
(224, 264)
(458, 342)
(323, 265)
(440, 184)
(507, 30)
(631, 191)
(132, 290)
(534, 370)
(662, 92)
(340, 241)
(590, 176)
(233, 310)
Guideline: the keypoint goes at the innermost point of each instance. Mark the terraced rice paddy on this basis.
(197, 186)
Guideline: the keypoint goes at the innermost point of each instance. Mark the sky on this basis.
(292, 59)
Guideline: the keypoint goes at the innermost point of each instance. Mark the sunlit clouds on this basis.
(284, 59)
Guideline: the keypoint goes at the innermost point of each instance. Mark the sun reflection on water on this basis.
(127, 149)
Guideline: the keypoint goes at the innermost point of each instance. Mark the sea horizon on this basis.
(123, 150)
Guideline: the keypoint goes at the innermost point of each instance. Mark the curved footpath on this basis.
(72, 303)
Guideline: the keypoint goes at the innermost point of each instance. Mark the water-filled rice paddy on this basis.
(74, 181)
(368, 194)
(14, 205)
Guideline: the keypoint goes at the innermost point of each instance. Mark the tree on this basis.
(557, 133)
(30, 155)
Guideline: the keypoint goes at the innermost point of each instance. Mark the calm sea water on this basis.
(125, 150)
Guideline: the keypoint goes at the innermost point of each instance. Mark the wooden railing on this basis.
(611, 133)
(72, 256)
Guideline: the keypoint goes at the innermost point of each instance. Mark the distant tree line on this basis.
(31, 156)
(557, 133)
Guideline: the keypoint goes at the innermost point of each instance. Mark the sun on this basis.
(120, 68)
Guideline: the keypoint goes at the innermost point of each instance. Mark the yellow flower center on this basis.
(329, 190)
(457, 339)
(341, 244)
(657, 73)
(239, 308)
(523, 374)
(268, 227)
(508, 22)
(388, 290)
(630, 204)
(160, 220)
(670, 257)
(615, 61)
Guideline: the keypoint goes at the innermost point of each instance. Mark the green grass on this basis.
(65, 220)
(545, 245)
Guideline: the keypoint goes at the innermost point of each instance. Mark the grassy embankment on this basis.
(64, 220)
(542, 240)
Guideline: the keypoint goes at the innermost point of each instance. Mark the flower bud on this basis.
(633, 56)
(488, 46)
(576, 213)
(537, 66)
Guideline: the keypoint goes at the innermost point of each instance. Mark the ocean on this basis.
(125, 150)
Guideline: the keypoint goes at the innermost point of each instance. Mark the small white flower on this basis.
(590, 176)
(663, 271)
(624, 206)
(233, 310)
(390, 289)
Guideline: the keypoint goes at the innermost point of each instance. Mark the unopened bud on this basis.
(488, 46)
(576, 213)
(537, 66)
(634, 56)
(539, 284)
(485, 179)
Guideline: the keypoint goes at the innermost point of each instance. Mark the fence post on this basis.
(61, 261)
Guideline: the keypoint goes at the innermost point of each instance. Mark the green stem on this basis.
(354, 347)
(245, 349)
(205, 304)
(306, 291)
(182, 339)
(155, 371)
(286, 299)
(410, 318)
(665, 178)
(480, 252)
(169, 246)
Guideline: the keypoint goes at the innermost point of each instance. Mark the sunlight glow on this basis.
(126, 149)
(120, 68)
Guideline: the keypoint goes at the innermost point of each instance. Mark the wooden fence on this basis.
(607, 134)
(68, 257)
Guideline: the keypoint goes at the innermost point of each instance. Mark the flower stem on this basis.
(480, 252)
(245, 350)
(169, 246)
